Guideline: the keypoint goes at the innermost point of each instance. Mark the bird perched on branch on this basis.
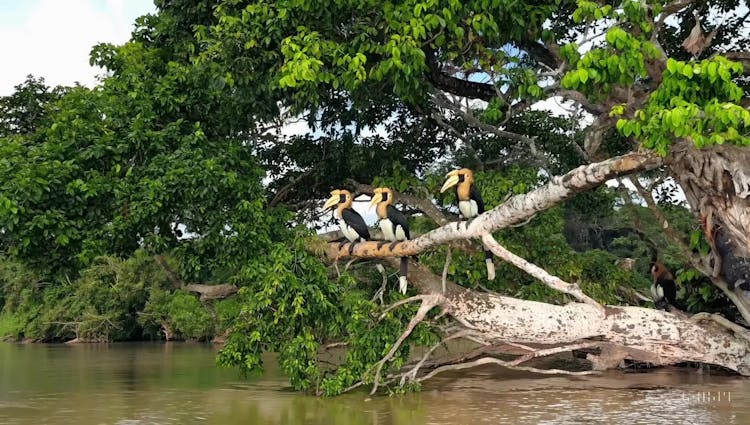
(352, 224)
(470, 204)
(663, 287)
(394, 225)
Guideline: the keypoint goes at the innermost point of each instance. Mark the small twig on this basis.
(422, 298)
(521, 346)
(379, 293)
(659, 215)
(351, 387)
(346, 267)
(282, 193)
(550, 351)
(336, 267)
(442, 101)
(413, 372)
(427, 305)
(445, 267)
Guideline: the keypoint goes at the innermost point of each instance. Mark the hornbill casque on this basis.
(352, 224)
(394, 225)
(663, 287)
(470, 204)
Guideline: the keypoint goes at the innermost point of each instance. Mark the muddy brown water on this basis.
(154, 383)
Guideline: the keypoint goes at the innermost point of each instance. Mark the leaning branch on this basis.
(553, 282)
(423, 204)
(208, 292)
(517, 209)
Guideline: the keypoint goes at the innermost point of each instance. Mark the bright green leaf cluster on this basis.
(622, 63)
(697, 101)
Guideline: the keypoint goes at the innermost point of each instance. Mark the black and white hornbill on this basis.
(663, 288)
(394, 225)
(352, 224)
(470, 204)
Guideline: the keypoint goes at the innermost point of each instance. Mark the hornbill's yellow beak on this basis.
(377, 197)
(333, 200)
(451, 180)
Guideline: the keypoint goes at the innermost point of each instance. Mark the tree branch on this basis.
(427, 305)
(506, 364)
(470, 119)
(208, 292)
(422, 204)
(553, 282)
(453, 85)
(517, 209)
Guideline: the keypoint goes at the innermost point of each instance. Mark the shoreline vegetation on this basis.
(172, 201)
(113, 300)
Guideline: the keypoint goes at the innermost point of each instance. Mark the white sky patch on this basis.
(53, 38)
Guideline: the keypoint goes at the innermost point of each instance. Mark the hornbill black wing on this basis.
(670, 290)
(398, 219)
(477, 197)
(356, 222)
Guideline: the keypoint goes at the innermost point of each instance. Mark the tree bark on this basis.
(633, 333)
(716, 182)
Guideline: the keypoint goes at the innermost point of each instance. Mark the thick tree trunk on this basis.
(716, 182)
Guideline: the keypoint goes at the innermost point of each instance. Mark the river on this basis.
(174, 383)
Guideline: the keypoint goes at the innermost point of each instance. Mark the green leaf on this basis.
(583, 75)
(687, 71)
(673, 66)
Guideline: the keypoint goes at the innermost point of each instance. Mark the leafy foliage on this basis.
(184, 149)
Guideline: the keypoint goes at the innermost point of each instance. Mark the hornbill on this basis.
(394, 225)
(352, 224)
(663, 288)
(470, 204)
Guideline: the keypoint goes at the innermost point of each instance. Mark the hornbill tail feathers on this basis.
(403, 270)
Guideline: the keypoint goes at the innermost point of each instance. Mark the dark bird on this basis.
(663, 287)
(395, 227)
(470, 204)
(352, 224)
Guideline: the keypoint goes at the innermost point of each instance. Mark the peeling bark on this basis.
(634, 333)
(716, 182)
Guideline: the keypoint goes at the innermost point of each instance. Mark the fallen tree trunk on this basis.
(633, 333)
(636, 333)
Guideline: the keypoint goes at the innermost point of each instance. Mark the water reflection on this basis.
(179, 384)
